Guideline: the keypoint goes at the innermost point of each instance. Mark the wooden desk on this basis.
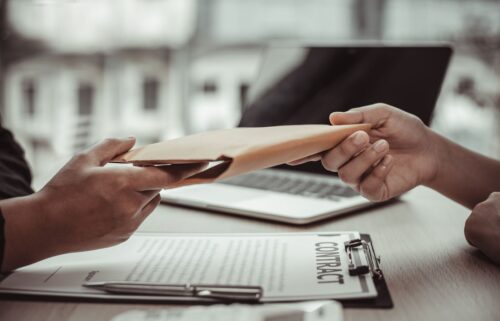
(432, 273)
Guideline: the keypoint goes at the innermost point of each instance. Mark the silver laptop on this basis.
(303, 85)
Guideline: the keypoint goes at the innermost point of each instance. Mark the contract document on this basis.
(288, 266)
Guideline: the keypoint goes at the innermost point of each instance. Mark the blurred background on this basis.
(76, 71)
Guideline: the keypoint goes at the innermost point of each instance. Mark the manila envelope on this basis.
(240, 150)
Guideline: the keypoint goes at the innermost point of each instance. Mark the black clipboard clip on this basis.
(373, 266)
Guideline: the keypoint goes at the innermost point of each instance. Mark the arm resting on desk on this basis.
(84, 206)
(463, 175)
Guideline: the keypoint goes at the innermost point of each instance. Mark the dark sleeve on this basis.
(2, 237)
(15, 175)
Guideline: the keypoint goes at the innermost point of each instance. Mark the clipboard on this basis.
(254, 294)
(123, 291)
(383, 299)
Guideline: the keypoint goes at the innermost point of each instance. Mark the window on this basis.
(209, 87)
(150, 88)
(29, 96)
(243, 95)
(85, 99)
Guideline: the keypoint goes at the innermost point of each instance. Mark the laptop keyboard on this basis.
(266, 180)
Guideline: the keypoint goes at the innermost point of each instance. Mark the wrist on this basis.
(27, 239)
(436, 157)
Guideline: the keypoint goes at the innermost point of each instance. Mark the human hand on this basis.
(482, 228)
(85, 206)
(397, 153)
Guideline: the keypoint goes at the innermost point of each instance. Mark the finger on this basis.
(147, 196)
(372, 114)
(108, 149)
(374, 186)
(352, 172)
(312, 158)
(138, 200)
(156, 177)
(342, 153)
(148, 209)
(494, 196)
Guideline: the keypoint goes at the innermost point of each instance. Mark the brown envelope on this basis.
(240, 150)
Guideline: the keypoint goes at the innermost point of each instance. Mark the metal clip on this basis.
(373, 266)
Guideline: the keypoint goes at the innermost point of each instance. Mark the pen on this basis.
(209, 291)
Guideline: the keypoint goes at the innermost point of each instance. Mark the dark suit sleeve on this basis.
(2, 237)
(15, 175)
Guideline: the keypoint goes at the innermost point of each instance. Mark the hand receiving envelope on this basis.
(240, 150)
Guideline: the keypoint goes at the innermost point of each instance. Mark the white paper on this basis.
(304, 311)
(289, 267)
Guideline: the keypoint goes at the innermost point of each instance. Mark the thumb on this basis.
(346, 118)
(103, 152)
(372, 114)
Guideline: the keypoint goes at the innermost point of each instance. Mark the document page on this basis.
(289, 267)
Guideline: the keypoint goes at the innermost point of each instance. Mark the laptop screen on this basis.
(303, 85)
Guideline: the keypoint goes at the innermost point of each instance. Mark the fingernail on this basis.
(359, 139)
(333, 115)
(380, 146)
(387, 160)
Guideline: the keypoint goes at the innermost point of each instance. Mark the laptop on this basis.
(302, 85)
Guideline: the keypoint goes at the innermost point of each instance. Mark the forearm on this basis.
(27, 239)
(463, 175)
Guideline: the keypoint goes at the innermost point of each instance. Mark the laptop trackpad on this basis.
(230, 196)
(287, 205)
(213, 193)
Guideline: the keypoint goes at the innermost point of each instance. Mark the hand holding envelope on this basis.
(240, 150)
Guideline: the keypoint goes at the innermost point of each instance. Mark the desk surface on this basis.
(431, 271)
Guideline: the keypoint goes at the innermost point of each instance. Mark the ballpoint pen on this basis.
(201, 291)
